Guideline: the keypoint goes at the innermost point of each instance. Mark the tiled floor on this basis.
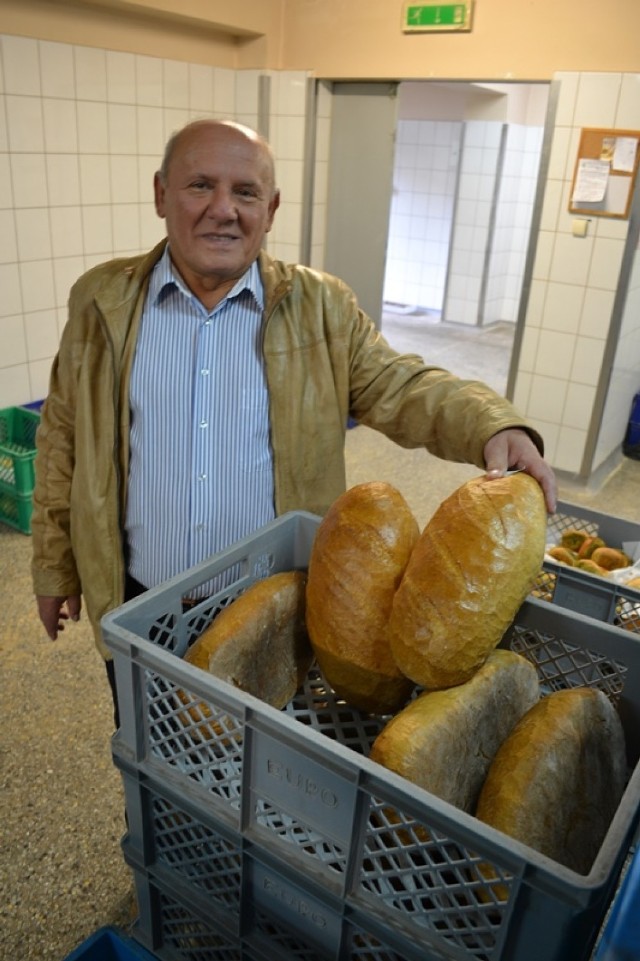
(482, 353)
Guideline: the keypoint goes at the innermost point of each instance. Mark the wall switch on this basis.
(579, 227)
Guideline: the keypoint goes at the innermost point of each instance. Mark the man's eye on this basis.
(199, 185)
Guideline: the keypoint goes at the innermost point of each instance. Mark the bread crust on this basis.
(259, 643)
(444, 741)
(358, 557)
(474, 564)
(557, 780)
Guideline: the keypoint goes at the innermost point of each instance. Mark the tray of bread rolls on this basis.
(269, 815)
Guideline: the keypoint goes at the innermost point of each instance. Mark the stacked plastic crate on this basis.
(264, 834)
(18, 427)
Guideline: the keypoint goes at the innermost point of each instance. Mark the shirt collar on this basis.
(165, 278)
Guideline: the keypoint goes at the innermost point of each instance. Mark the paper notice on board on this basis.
(591, 181)
(624, 154)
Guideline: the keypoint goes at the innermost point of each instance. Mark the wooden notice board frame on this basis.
(606, 168)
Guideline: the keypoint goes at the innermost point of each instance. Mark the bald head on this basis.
(195, 129)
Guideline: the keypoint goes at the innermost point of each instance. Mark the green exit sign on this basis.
(435, 17)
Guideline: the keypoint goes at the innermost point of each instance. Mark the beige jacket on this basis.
(325, 362)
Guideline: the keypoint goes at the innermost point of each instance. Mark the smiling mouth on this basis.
(218, 239)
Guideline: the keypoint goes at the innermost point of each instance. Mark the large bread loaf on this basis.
(359, 554)
(259, 643)
(444, 741)
(470, 571)
(556, 781)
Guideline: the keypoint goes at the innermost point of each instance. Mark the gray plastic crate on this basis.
(295, 790)
(599, 597)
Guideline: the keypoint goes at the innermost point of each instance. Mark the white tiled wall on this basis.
(512, 227)
(81, 135)
(424, 190)
(561, 364)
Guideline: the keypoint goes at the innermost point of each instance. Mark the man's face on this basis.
(219, 202)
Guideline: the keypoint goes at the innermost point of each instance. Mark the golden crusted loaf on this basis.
(557, 780)
(444, 741)
(470, 571)
(259, 643)
(358, 557)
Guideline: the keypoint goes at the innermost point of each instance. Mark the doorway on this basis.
(459, 202)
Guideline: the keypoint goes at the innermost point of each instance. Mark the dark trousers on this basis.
(132, 588)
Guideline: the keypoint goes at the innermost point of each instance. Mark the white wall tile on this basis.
(123, 135)
(571, 259)
(60, 126)
(21, 66)
(14, 385)
(605, 266)
(224, 93)
(246, 95)
(149, 81)
(547, 398)
(628, 111)
(587, 361)
(95, 182)
(93, 128)
(554, 355)
(33, 234)
(11, 300)
(597, 99)
(175, 84)
(4, 133)
(563, 306)
(567, 96)
(91, 73)
(66, 231)
(41, 331)
(121, 77)
(39, 372)
(36, 281)
(201, 88)
(96, 226)
(597, 311)
(578, 405)
(126, 227)
(12, 338)
(8, 241)
(28, 174)
(150, 127)
(25, 127)
(63, 179)
(569, 450)
(57, 69)
(124, 179)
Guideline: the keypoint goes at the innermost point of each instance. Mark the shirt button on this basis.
(202, 477)
(204, 371)
(203, 424)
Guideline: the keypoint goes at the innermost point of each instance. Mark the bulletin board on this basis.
(605, 173)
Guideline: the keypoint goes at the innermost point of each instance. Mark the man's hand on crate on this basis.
(54, 611)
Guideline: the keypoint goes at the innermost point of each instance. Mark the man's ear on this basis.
(274, 203)
(158, 193)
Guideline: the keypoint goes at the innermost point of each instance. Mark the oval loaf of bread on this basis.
(259, 643)
(358, 557)
(556, 781)
(444, 741)
(474, 564)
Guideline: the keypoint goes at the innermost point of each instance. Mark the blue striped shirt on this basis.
(201, 471)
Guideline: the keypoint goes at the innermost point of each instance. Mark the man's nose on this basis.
(221, 204)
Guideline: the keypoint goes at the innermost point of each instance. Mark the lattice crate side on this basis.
(17, 448)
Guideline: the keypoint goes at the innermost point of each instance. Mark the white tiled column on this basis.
(561, 367)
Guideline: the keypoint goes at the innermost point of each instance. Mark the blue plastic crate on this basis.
(621, 936)
(109, 944)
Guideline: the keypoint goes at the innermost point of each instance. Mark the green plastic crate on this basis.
(18, 427)
(15, 509)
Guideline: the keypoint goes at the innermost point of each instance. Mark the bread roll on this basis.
(610, 558)
(358, 557)
(259, 643)
(557, 780)
(470, 571)
(445, 740)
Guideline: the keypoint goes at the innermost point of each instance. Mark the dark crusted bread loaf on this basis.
(474, 564)
(444, 741)
(358, 557)
(259, 643)
(556, 781)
